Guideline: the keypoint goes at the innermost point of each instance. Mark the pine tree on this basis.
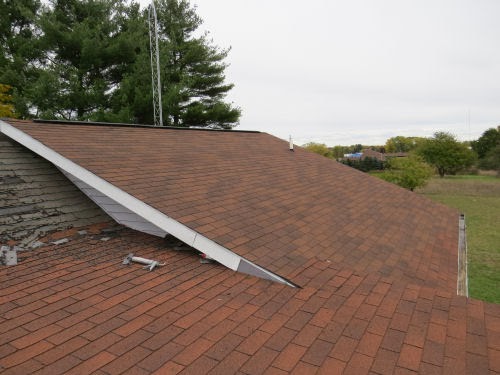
(90, 59)
(88, 48)
(192, 74)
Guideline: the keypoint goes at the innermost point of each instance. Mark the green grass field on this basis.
(479, 198)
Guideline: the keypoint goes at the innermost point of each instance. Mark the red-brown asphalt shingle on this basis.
(282, 210)
(95, 315)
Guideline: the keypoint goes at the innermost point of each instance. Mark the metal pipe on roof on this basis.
(148, 262)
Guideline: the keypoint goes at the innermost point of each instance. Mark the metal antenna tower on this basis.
(155, 64)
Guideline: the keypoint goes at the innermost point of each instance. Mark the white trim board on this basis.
(138, 207)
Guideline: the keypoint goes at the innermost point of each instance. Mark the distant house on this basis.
(321, 269)
(369, 153)
(355, 155)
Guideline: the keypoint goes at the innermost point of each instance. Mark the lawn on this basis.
(479, 198)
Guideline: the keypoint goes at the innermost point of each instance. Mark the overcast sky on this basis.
(360, 71)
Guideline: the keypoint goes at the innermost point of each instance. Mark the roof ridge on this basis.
(121, 124)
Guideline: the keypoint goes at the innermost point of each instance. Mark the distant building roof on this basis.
(369, 153)
(355, 155)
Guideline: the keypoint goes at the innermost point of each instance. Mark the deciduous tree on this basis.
(339, 151)
(408, 172)
(318, 148)
(491, 160)
(402, 144)
(488, 141)
(445, 153)
(6, 105)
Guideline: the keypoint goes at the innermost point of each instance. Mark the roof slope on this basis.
(282, 210)
(75, 309)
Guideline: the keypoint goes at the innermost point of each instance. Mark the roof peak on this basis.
(117, 124)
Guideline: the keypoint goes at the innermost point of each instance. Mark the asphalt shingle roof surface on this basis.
(75, 309)
(282, 210)
(377, 266)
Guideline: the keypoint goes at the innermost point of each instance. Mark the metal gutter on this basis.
(462, 279)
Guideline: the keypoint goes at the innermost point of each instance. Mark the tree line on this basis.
(442, 154)
(90, 60)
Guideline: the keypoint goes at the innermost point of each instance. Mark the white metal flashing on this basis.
(119, 213)
(138, 207)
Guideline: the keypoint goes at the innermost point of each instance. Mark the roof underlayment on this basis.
(248, 202)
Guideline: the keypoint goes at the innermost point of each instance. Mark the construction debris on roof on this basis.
(8, 256)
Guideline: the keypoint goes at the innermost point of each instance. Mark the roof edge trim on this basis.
(201, 241)
(247, 266)
(125, 125)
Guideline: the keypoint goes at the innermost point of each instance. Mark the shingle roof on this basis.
(283, 210)
(377, 266)
(75, 309)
